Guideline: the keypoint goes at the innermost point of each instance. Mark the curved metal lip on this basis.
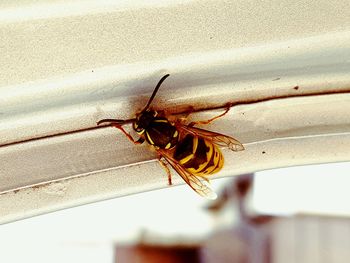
(290, 107)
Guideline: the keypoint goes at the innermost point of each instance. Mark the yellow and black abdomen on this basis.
(199, 156)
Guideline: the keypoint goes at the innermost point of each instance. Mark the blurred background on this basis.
(298, 214)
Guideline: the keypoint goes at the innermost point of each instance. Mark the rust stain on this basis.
(269, 98)
(32, 187)
(48, 136)
(36, 187)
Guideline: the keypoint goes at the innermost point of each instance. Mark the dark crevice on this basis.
(233, 104)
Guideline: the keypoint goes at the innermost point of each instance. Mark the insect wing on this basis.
(217, 138)
(201, 187)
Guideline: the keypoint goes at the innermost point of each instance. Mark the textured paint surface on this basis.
(111, 33)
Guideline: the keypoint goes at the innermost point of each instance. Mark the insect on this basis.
(192, 152)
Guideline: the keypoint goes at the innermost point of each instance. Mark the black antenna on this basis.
(122, 122)
(155, 91)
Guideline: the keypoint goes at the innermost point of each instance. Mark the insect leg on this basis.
(183, 116)
(228, 107)
(139, 141)
(188, 112)
(166, 168)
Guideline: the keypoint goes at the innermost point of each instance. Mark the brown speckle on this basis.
(263, 152)
(35, 187)
(296, 87)
(51, 188)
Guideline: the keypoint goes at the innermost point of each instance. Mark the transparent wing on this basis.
(201, 187)
(217, 138)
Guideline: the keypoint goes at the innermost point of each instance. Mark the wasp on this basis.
(192, 152)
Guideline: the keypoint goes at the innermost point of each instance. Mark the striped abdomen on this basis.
(199, 156)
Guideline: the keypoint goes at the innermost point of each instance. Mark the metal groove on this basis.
(239, 103)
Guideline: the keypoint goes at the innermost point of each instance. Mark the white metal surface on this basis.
(287, 73)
